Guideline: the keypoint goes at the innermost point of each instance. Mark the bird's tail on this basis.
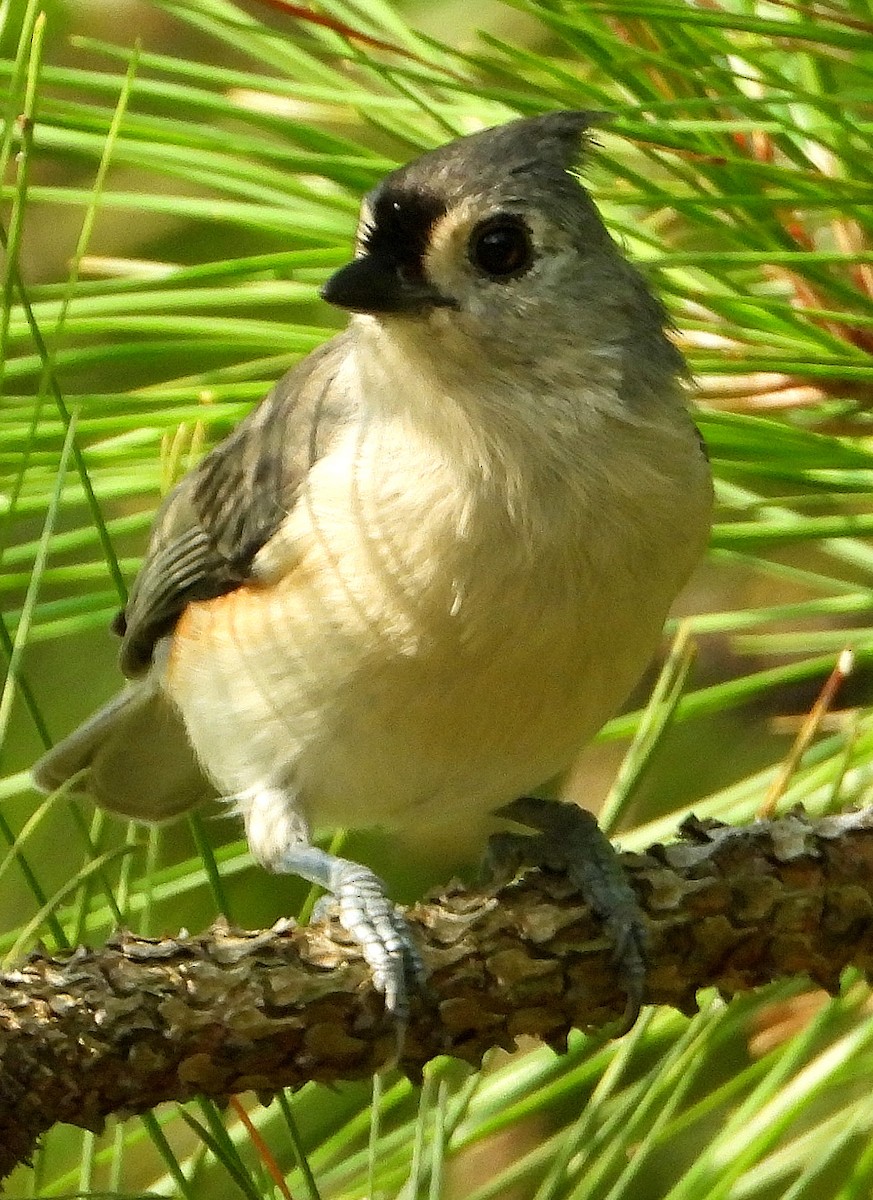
(133, 757)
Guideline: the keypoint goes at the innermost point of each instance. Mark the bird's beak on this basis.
(375, 284)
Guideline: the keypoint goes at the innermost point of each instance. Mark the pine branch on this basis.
(141, 1021)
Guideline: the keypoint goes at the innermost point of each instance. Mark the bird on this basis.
(419, 577)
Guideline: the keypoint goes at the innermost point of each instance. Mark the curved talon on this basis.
(383, 934)
(569, 838)
(630, 947)
(370, 917)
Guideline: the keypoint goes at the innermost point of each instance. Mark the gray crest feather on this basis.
(546, 147)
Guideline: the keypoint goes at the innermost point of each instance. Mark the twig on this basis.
(140, 1021)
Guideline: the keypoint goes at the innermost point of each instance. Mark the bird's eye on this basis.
(501, 246)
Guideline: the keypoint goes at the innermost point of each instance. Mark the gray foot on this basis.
(367, 913)
(569, 839)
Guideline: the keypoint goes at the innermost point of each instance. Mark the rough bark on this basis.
(140, 1021)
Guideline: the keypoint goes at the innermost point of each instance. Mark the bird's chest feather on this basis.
(392, 565)
(408, 640)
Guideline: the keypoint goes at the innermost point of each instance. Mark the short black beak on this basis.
(374, 284)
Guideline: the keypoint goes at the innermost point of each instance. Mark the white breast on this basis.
(433, 650)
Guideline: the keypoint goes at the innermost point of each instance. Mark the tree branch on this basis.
(141, 1021)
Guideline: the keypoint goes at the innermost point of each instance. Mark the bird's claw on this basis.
(568, 838)
(383, 934)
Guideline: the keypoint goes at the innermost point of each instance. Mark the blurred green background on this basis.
(178, 179)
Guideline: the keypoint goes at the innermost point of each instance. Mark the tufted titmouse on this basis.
(435, 559)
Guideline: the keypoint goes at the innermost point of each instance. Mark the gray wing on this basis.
(133, 757)
(213, 523)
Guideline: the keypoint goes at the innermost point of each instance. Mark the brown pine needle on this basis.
(844, 666)
(264, 1151)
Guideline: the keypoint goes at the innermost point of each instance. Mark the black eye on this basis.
(501, 246)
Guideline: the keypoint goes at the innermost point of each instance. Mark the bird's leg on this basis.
(370, 916)
(279, 837)
(569, 839)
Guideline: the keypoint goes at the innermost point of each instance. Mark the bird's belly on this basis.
(406, 659)
(395, 713)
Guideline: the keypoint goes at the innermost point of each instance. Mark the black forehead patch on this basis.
(400, 225)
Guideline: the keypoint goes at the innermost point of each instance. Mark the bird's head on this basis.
(493, 232)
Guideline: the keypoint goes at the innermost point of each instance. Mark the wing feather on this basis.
(213, 523)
